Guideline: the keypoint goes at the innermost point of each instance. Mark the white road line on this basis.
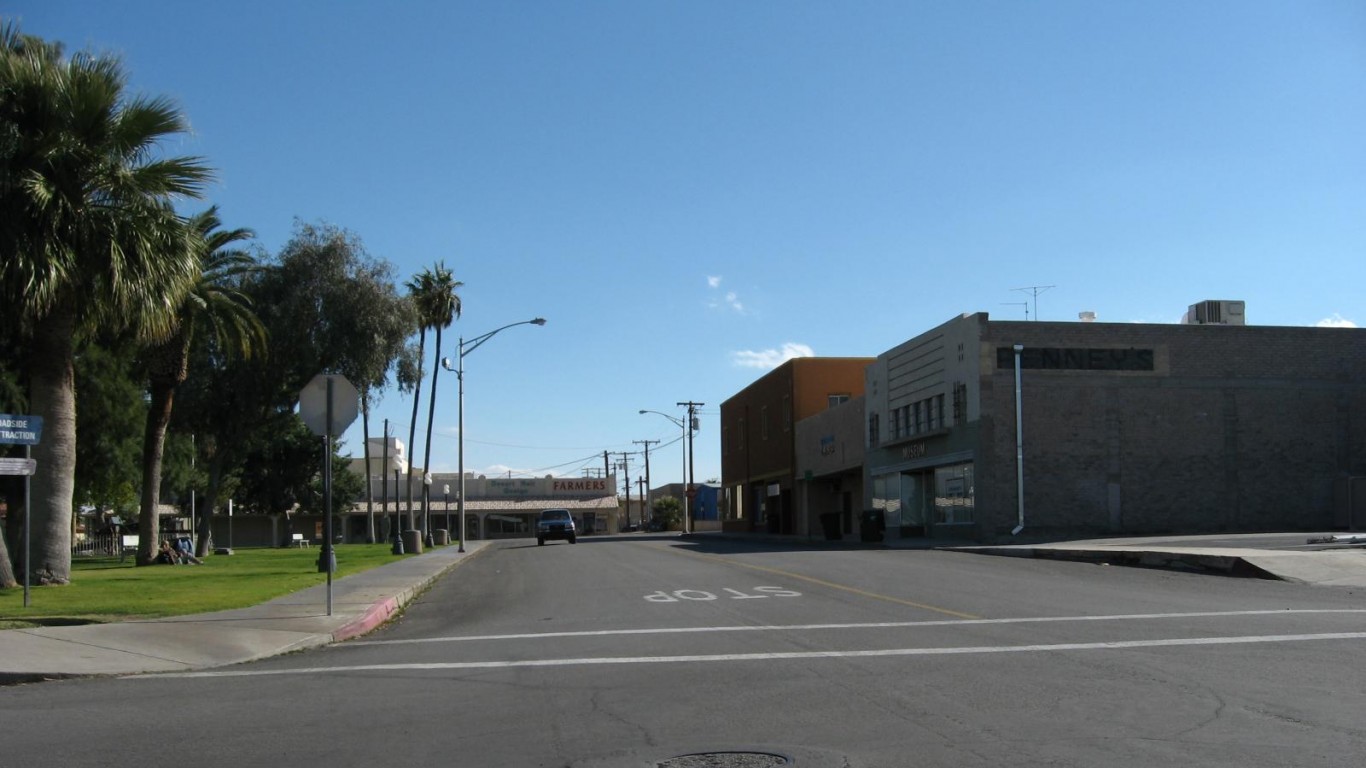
(872, 625)
(476, 665)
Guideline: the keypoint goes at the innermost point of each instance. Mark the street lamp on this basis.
(464, 348)
(683, 448)
(446, 491)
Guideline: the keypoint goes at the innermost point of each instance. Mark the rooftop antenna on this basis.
(1035, 290)
(1024, 304)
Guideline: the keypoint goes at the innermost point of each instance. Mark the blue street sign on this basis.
(20, 430)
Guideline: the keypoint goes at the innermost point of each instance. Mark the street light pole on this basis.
(682, 448)
(464, 348)
(446, 491)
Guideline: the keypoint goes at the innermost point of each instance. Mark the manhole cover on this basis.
(726, 760)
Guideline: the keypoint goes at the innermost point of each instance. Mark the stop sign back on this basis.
(313, 404)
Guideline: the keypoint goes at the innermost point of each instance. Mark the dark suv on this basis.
(555, 524)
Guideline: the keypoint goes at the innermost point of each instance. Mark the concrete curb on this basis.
(378, 614)
(1192, 561)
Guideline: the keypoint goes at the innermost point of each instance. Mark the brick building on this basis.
(1126, 428)
(758, 438)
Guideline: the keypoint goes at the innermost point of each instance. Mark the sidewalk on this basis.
(1258, 555)
(1342, 566)
(176, 644)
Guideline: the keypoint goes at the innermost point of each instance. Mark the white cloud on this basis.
(1336, 321)
(769, 359)
(719, 300)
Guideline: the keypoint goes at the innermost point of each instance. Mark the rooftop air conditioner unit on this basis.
(1217, 312)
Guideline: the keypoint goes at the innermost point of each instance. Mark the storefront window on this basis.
(887, 497)
(954, 500)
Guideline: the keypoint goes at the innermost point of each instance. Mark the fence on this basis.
(93, 545)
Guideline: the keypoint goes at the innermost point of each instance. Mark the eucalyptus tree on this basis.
(89, 238)
(326, 305)
(111, 408)
(215, 305)
(387, 323)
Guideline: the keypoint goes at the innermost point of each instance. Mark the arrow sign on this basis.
(20, 430)
(18, 466)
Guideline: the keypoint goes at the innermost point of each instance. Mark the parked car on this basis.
(555, 524)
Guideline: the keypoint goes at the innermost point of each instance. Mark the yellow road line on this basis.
(822, 582)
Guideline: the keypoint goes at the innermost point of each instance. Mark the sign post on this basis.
(25, 431)
(328, 404)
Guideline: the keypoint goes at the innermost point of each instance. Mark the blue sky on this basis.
(692, 191)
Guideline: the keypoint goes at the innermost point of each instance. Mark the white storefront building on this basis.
(495, 507)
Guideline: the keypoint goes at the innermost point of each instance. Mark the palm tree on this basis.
(215, 305)
(434, 299)
(440, 307)
(88, 236)
(416, 288)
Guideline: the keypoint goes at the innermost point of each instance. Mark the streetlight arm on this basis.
(464, 348)
(677, 422)
(469, 345)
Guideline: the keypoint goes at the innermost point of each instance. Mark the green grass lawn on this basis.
(103, 589)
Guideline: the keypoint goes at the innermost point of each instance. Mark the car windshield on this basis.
(555, 514)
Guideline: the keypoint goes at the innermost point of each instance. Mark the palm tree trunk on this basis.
(431, 413)
(7, 580)
(12, 535)
(412, 427)
(369, 474)
(53, 388)
(153, 446)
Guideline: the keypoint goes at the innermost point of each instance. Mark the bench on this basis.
(298, 540)
(130, 546)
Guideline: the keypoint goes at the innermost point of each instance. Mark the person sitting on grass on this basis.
(186, 552)
(166, 554)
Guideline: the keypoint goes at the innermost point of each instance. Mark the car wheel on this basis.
(573, 540)
(540, 542)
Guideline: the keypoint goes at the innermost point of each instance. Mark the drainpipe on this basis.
(1019, 444)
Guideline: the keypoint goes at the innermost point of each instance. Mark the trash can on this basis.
(412, 541)
(830, 524)
(441, 536)
(871, 525)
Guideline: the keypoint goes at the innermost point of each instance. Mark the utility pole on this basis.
(626, 473)
(691, 491)
(648, 487)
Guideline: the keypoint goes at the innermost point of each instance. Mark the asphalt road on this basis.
(632, 651)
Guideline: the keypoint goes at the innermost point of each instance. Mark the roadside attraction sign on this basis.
(20, 430)
(26, 431)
